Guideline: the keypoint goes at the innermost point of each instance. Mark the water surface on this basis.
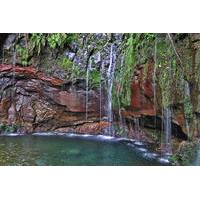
(66, 151)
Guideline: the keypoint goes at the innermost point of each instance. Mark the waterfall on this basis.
(87, 88)
(110, 76)
(174, 48)
(13, 75)
(154, 79)
(119, 106)
(11, 110)
(100, 86)
(136, 125)
(187, 96)
(167, 126)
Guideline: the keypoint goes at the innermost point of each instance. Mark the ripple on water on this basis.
(138, 143)
(105, 137)
(29, 150)
(150, 155)
(142, 149)
(130, 145)
(43, 134)
(11, 134)
(164, 160)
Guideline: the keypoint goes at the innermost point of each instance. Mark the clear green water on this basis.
(58, 150)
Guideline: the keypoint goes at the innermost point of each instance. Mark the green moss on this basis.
(136, 50)
(4, 128)
(65, 63)
(185, 154)
(94, 79)
(56, 40)
(23, 55)
(36, 42)
(73, 71)
(188, 109)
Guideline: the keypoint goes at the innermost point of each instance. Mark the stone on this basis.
(36, 102)
(142, 96)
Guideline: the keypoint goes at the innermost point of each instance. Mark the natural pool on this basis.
(73, 150)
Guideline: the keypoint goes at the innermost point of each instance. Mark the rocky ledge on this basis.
(34, 102)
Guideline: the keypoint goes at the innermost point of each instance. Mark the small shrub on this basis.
(4, 128)
(94, 78)
(185, 154)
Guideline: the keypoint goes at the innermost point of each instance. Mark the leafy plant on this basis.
(188, 110)
(185, 154)
(94, 78)
(56, 40)
(65, 63)
(72, 70)
(37, 41)
(135, 51)
(23, 53)
(4, 128)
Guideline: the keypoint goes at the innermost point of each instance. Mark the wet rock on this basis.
(9, 41)
(92, 128)
(37, 102)
(142, 97)
(146, 109)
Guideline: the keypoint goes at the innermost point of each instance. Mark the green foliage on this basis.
(37, 41)
(136, 48)
(75, 72)
(167, 67)
(4, 128)
(23, 54)
(65, 63)
(72, 70)
(56, 40)
(94, 78)
(185, 154)
(188, 110)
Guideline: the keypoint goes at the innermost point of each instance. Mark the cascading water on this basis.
(11, 110)
(110, 76)
(13, 75)
(136, 125)
(100, 90)
(167, 129)
(154, 80)
(87, 88)
(174, 48)
(167, 113)
(119, 106)
(187, 97)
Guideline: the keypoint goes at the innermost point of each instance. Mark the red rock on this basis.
(92, 128)
(4, 67)
(40, 103)
(53, 81)
(142, 96)
(75, 102)
(135, 95)
(28, 71)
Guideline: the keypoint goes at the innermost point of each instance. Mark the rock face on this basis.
(146, 106)
(142, 93)
(35, 102)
